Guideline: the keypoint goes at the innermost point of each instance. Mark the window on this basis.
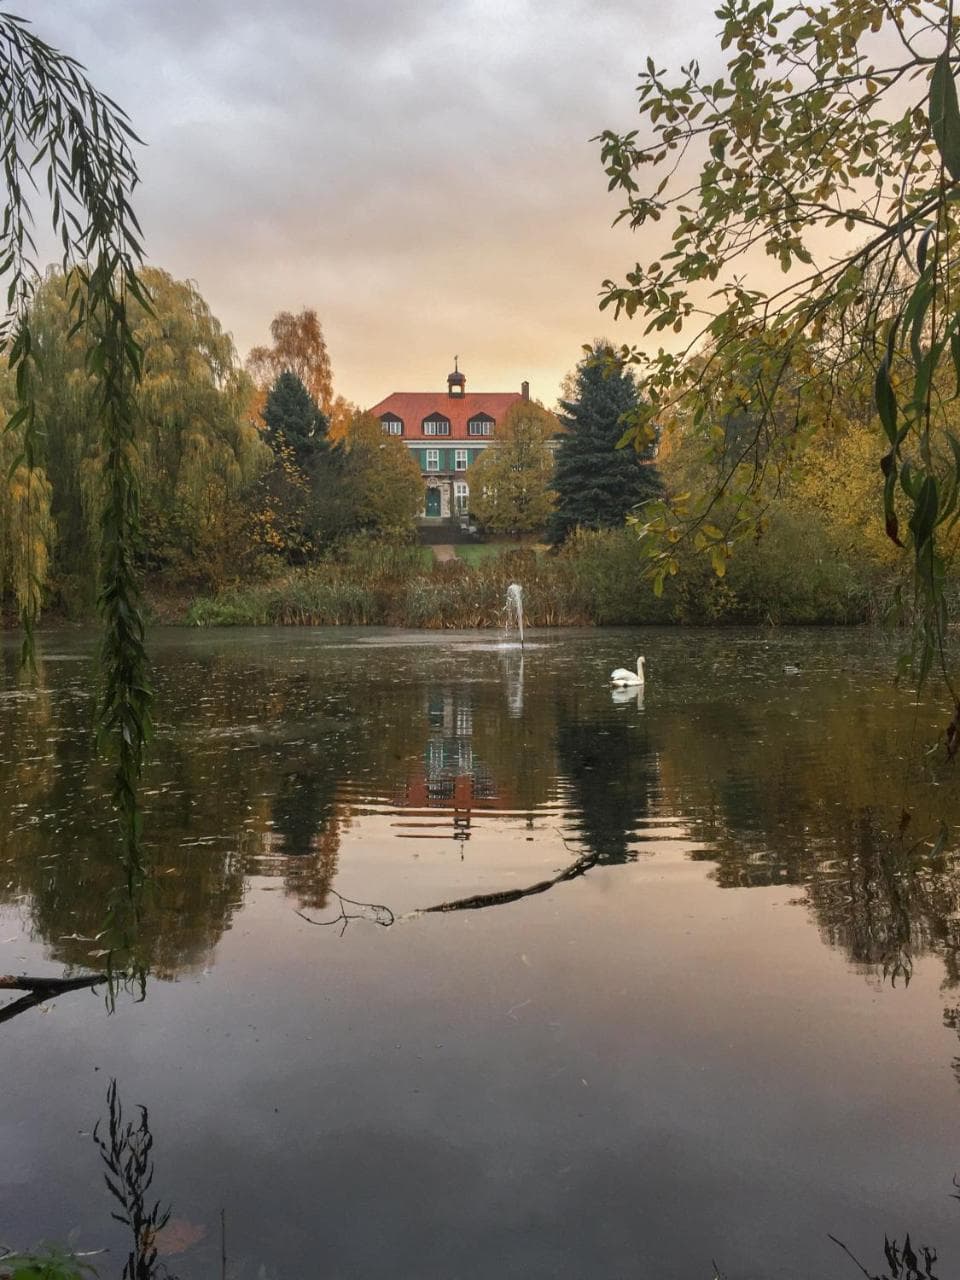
(460, 460)
(482, 425)
(392, 426)
(463, 721)
(461, 496)
(433, 459)
(436, 426)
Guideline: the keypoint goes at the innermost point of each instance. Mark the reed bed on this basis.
(392, 587)
(598, 579)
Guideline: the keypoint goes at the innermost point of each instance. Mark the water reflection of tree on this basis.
(259, 766)
(810, 792)
(612, 773)
(223, 782)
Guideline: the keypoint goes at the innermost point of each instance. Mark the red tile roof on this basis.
(413, 406)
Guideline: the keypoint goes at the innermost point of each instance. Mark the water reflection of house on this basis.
(449, 775)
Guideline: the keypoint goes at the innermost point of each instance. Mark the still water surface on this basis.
(734, 1033)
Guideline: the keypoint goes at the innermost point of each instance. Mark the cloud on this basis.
(420, 173)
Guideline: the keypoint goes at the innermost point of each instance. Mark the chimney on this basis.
(525, 390)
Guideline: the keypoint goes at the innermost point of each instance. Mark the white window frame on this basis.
(392, 426)
(461, 496)
(436, 427)
(481, 428)
(460, 460)
(433, 459)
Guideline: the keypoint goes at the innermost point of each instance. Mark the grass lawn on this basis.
(477, 553)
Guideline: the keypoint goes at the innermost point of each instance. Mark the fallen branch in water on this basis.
(385, 917)
(50, 986)
(40, 989)
(477, 901)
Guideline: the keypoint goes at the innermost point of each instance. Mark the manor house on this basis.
(446, 432)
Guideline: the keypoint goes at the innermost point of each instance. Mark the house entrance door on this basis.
(433, 502)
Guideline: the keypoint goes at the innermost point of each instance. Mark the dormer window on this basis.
(481, 424)
(436, 425)
(391, 425)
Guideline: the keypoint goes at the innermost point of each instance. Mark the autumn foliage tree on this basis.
(300, 348)
(510, 481)
(27, 530)
(383, 479)
(368, 483)
(791, 191)
(196, 451)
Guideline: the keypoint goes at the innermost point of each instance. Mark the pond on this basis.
(727, 1032)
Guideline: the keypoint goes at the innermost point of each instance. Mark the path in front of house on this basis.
(444, 552)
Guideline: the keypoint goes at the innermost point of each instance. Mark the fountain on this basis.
(515, 605)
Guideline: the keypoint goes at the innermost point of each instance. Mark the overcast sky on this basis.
(418, 171)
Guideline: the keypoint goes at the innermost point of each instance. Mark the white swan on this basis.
(622, 676)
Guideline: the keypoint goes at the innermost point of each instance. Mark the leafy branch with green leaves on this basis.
(828, 148)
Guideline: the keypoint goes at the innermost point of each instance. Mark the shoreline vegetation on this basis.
(596, 579)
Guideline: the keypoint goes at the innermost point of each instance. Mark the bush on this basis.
(791, 574)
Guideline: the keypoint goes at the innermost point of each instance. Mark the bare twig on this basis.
(374, 911)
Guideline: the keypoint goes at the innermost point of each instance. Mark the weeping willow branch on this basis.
(64, 143)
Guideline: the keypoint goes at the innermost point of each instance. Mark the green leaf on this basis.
(945, 115)
(886, 401)
(15, 419)
(922, 249)
(924, 516)
(891, 524)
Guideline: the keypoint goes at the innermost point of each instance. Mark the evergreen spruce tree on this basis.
(596, 483)
(294, 419)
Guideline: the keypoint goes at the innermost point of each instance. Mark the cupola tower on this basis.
(456, 382)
